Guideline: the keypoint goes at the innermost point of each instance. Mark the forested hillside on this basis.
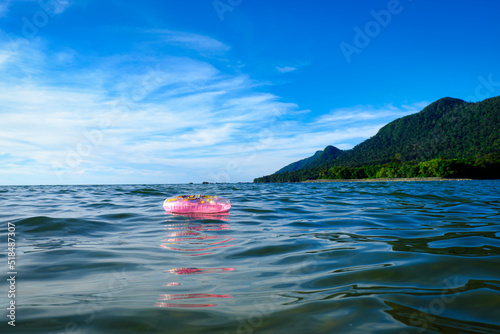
(449, 129)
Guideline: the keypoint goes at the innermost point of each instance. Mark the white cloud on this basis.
(4, 7)
(294, 67)
(286, 69)
(50, 7)
(192, 41)
(59, 7)
(157, 119)
(168, 112)
(359, 114)
(4, 57)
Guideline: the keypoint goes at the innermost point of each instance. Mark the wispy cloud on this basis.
(6, 4)
(294, 66)
(164, 112)
(286, 69)
(361, 114)
(197, 42)
(54, 7)
(130, 118)
(59, 6)
(4, 7)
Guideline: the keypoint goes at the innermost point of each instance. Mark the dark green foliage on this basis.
(466, 134)
(295, 176)
(487, 167)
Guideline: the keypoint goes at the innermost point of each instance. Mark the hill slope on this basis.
(449, 128)
(304, 163)
(318, 159)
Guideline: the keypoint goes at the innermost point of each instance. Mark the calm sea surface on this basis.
(375, 257)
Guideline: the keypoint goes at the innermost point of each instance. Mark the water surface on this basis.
(375, 257)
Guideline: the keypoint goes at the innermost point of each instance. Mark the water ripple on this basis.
(376, 257)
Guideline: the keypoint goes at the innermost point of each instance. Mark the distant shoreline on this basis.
(387, 180)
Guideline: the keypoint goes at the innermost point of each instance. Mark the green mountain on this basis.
(448, 128)
(318, 159)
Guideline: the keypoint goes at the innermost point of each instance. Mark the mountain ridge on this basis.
(449, 128)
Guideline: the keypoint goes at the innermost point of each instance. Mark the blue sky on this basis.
(170, 91)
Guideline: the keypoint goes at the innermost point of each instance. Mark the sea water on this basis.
(372, 257)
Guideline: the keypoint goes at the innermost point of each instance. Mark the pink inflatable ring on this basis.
(196, 204)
